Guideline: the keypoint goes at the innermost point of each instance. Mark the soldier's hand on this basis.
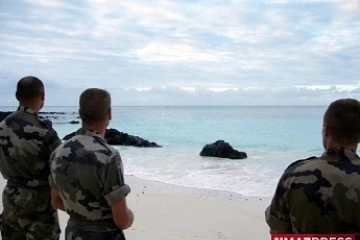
(130, 217)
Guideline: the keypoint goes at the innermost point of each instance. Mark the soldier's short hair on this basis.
(343, 119)
(94, 105)
(29, 87)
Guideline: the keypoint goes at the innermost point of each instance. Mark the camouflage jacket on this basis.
(318, 195)
(88, 174)
(26, 143)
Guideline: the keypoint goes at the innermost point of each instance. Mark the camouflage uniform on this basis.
(318, 195)
(88, 174)
(26, 144)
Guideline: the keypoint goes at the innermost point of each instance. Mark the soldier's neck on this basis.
(339, 145)
(33, 106)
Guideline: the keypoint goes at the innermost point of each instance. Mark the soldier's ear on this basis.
(109, 113)
(326, 130)
(17, 96)
(42, 96)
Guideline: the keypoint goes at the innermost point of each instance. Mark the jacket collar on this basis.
(341, 152)
(88, 132)
(27, 110)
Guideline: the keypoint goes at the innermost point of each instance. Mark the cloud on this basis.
(170, 95)
(272, 45)
(165, 52)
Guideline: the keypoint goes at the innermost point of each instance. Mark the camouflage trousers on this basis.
(74, 233)
(28, 215)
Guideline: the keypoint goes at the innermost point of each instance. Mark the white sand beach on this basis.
(170, 212)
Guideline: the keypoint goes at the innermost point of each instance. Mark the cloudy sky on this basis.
(183, 52)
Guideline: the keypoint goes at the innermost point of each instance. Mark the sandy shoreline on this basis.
(168, 212)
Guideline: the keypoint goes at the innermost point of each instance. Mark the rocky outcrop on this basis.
(112, 136)
(53, 113)
(222, 149)
(117, 138)
(45, 116)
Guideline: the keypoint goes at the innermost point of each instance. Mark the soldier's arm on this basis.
(51, 141)
(115, 192)
(56, 201)
(277, 215)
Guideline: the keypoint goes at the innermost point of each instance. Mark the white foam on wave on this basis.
(246, 177)
(255, 176)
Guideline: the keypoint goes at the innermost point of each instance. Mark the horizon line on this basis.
(189, 106)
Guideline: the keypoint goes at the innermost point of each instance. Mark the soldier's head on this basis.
(341, 124)
(30, 92)
(95, 108)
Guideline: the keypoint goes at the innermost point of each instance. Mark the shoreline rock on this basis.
(112, 136)
(46, 116)
(222, 149)
(117, 138)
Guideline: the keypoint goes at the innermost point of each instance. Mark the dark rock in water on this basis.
(53, 113)
(45, 116)
(42, 115)
(48, 117)
(221, 149)
(115, 137)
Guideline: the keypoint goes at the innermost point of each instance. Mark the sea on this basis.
(272, 137)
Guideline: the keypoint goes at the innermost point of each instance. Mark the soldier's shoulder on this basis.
(5, 130)
(24, 119)
(112, 150)
(17, 122)
(108, 152)
(299, 163)
(61, 149)
(92, 144)
(12, 117)
(102, 143)
(71, 143)
(45, 123)
(2, 124)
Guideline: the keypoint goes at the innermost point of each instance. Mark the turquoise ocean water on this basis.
(272, 137)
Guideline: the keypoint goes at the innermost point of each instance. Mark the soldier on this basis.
(322, 194)
(26, 143)
(87, 176)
